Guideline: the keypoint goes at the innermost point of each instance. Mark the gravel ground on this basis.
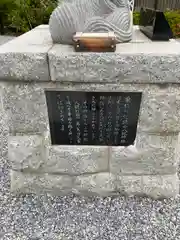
(4, 39)
(30, 217)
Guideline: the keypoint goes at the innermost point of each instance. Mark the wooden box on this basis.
(94, 42)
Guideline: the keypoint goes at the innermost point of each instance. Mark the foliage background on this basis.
(173, 18)
(19, 16)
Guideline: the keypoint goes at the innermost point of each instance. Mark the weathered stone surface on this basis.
(76, 159)
(39, 36)
(147, 89)
(153, 159)
(97, 184)
(177, 152)
(133, 62)
(26, 152)
(103, 184)
(25, 57)
(3, 127)
(37, 183)
(150, 155)
(158, 186)
(25, 105)
(160, 112)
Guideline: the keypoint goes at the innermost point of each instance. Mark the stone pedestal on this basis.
(31, 64)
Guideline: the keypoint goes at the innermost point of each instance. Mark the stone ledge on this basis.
(151, 62)
(33, 57)
(103, 184)
(25, 57)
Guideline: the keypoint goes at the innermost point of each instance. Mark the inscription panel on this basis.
(93, 118)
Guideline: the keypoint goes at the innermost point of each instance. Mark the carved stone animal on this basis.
(91, 16)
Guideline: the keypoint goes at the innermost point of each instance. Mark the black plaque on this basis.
(93, 118)
(154, 25)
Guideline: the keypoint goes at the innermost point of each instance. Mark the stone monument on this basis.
(91, 123)
(92, 16)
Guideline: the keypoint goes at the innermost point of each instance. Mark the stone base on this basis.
(102, 184)
(32, 64)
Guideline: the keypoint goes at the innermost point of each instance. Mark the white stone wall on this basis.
(149, 167)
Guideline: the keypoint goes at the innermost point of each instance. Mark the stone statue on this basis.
(91, 16)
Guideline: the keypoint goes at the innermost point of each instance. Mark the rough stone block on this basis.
(150, 155)
(26, 152)
(40, 183)
(97, 184)
(25, 105)
(158, 186)
(177, 152)
(132, 62)
(103, 184)
(160, 112)
(29, 153)
(76, 159)
(25, 57)
(3, 127)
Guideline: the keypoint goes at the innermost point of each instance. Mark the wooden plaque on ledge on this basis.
(94, 42)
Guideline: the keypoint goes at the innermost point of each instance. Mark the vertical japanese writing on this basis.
(93, 109)
(93, 118)
(101, 119)
(118, 119)
(85, 121)
(109, 119)
(70, 126)
(124, 131)
(60, 107)
(78, 118)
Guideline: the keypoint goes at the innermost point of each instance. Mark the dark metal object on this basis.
(94, 42)
(93, 118)
(154, 25)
